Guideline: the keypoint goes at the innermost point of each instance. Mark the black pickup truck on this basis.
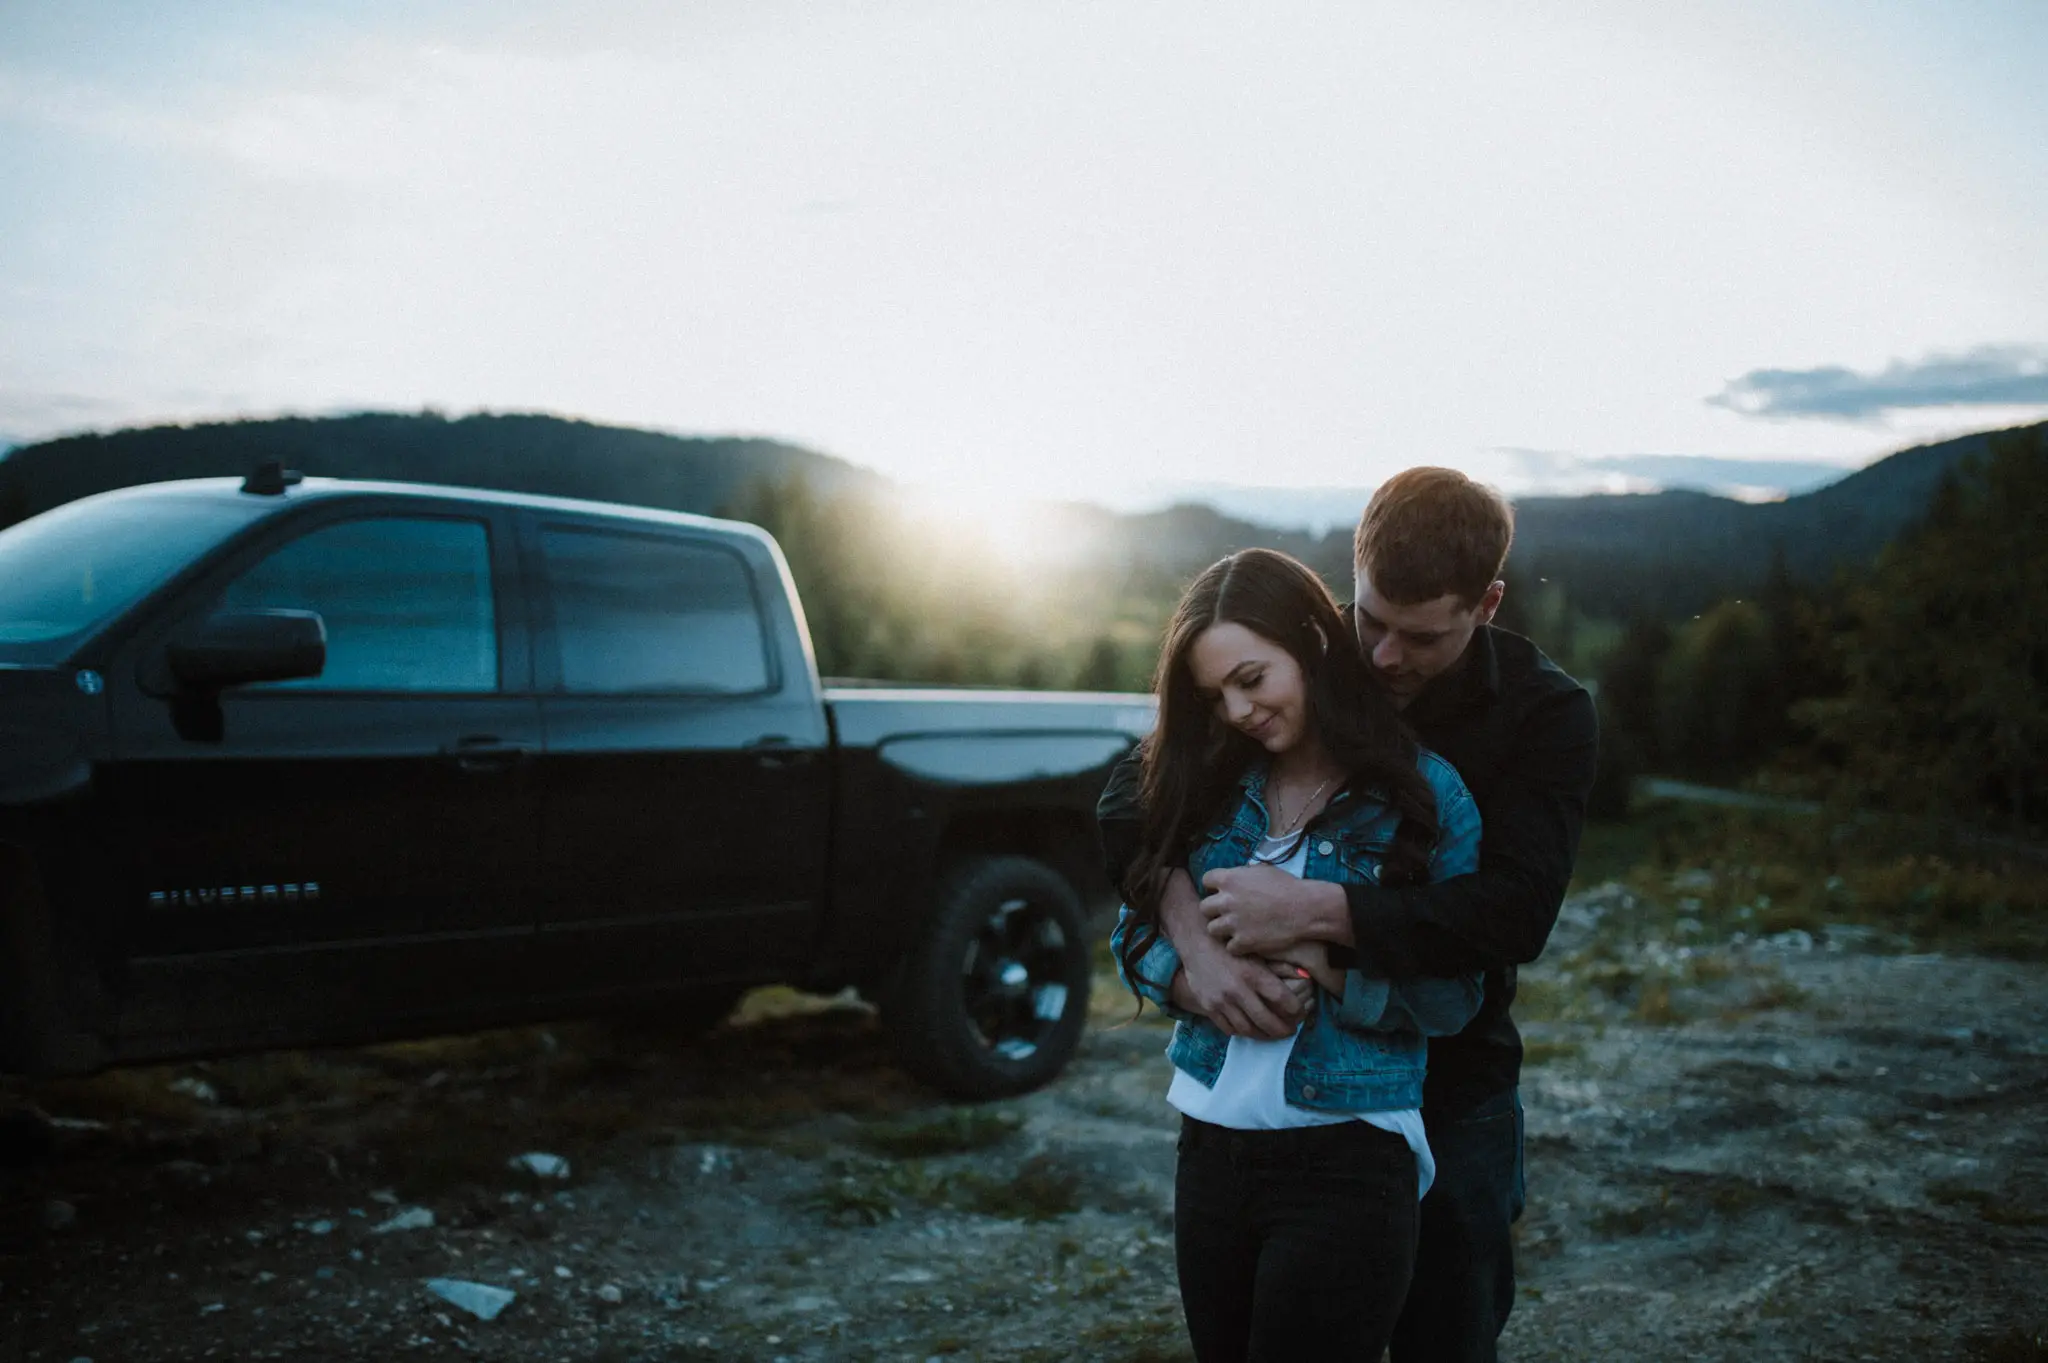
(290, 762)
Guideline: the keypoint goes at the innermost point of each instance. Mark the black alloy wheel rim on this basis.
(1014, 978)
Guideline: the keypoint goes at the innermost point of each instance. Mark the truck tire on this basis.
(992, 998)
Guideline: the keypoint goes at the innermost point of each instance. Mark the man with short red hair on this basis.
(1427, 561)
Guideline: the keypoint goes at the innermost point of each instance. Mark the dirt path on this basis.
(1778, 1151)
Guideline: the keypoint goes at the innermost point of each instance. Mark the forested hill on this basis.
(1663, 554)
(1672, 553)
(542, 454)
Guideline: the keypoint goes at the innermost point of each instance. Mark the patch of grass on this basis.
(1104, 1280)
(776, 1002)
(1692, 1200)
(1706, 968)
(2012, 1345)
(1547, 998)
(2006, 1208)
(954, 1131)
(849, 1199)
(1765, 873)
(2013, 1214)
(867, 1192)
(299, 1078)
(1767, 994)
(1138, 1339)
(1640, 1218)
(118, 1096)
(1617, 981)
(1654, 1005)
(1543, 1052)
(1042, 1188)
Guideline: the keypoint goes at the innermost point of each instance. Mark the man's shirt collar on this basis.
(1474, 681)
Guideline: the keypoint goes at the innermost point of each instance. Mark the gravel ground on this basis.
(1794, 1149)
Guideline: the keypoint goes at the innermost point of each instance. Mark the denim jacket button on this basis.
(1326, 847)
(1308, 1090)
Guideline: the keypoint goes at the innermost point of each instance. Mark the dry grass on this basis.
(1547, 1051)
(1763, 873)
(950, 1132)
(2012, 1345)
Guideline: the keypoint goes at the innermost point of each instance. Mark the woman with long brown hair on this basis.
(1301, 1160)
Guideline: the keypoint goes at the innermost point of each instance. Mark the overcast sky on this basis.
(1089, 249)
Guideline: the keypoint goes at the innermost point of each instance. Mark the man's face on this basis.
(1411, 645)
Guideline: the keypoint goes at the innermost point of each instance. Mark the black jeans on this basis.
(1464, 1282)
(1295, 1244)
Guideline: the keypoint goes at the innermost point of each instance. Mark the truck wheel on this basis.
(992, 998)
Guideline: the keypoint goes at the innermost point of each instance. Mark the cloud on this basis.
(1989, 376)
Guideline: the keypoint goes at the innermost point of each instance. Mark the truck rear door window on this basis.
(407, 602)
(637, 614)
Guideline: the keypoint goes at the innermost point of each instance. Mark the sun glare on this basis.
(1006, 525)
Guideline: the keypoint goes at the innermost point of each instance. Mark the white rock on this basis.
(479, 1299)
(83, 1126)
(198, 1090)
(541, 1164)
(320, 1228)
(610, 1294)
(412, 1218)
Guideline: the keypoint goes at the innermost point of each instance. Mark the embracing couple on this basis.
(1347, 829)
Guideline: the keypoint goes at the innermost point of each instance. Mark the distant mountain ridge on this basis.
(1620, 554)
(1675, 552)
(512, 453)
(1665, 553)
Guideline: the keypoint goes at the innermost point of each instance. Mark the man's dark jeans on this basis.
(1464, 1284)
(1292, 1244)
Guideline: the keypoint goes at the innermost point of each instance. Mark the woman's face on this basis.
(1254, 684)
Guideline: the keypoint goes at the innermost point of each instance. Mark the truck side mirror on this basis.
(234, 648)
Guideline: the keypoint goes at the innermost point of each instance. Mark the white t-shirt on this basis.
(1251, 1092)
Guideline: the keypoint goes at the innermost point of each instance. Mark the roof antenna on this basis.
(271, 478)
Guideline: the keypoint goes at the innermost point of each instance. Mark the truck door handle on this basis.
(486, 753)
(775, 753)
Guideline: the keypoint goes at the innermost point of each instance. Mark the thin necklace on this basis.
(1302, 812)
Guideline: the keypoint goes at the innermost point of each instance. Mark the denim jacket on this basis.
(1365, 1051)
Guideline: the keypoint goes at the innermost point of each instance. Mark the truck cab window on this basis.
(643, 613)
(407, 602)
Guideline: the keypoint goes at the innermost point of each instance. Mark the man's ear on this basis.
(1489, 602)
